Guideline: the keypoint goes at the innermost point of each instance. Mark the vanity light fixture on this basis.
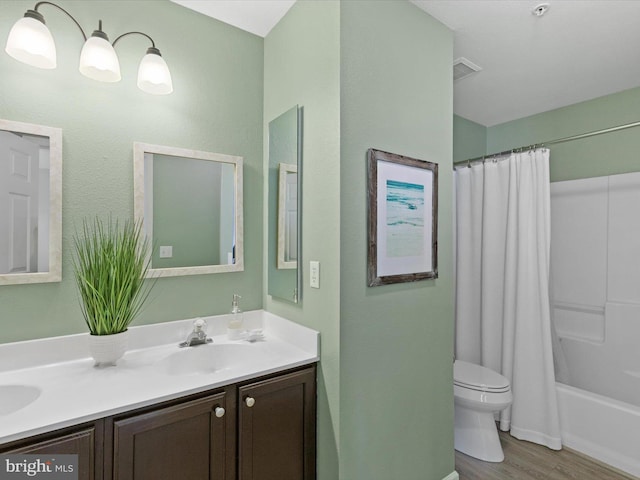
(31, 42)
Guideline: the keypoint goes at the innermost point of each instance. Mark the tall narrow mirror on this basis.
(30, 203)
(285, 213)
(190, 205)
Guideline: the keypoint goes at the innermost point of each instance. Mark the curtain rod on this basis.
(552, 142)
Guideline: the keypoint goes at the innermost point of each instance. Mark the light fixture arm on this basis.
(38, 16)
(153, 45)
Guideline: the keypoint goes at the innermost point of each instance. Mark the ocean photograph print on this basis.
(403, 218)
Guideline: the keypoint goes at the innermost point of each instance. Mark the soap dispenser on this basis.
(235, 327)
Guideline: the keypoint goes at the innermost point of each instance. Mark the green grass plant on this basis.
(111, 262)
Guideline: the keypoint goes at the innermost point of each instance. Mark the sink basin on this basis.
(211, 358)
(15, 397)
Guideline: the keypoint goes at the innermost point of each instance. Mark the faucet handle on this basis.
(199, 324)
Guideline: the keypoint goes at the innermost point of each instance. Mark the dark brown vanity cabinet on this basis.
(276, 428)
(187, 440)
(260, 429)
(82, 440)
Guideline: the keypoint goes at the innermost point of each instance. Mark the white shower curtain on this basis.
(502, 294)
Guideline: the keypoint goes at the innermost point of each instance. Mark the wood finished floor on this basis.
(528, 461)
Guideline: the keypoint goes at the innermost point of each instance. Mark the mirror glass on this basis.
(190, 204)
(30, 203)
(285, 150)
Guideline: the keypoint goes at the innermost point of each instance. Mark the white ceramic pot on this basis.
(106, 350)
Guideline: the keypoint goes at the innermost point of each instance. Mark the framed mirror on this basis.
(30, 203)
(284, 197)
(190, 206)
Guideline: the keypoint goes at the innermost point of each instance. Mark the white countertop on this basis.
(74, 391)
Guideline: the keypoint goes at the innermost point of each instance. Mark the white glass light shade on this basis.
(30, 42)
(98, 60)
(154, 76)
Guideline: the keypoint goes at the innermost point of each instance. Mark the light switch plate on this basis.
(314, 274)
(166, 251)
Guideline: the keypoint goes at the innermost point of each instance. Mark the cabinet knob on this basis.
(250, 401)
(219, 412)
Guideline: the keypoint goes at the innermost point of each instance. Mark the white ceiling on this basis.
(255, 16)
(579, 50)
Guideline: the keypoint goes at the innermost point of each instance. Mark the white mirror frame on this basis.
(139, 149)
(283, 170)
(55, 204)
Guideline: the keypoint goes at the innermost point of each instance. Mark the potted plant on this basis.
(110, 264)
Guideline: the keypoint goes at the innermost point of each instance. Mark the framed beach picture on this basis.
(403, 219)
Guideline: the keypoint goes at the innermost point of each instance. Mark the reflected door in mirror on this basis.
(30, 164)
(288, 216)
(19, 168)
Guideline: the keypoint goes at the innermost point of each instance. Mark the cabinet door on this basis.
(277, 428)
(86, 442)
(183, 441)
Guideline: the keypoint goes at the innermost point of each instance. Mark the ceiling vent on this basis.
(462, 68)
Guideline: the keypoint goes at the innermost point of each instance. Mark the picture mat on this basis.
(397, 264)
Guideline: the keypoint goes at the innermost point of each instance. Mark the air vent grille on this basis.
(462, 68)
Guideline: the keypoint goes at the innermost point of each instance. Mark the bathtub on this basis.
(600, 409)
(601, 427)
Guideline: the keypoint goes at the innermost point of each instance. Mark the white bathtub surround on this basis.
(610, 368)
(502, 300)
(595, 293)
(596, 303)
(154, 369)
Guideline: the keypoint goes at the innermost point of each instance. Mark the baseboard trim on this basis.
(452, 476)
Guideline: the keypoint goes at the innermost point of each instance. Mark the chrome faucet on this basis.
(198, 336)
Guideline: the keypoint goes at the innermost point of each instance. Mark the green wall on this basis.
(302, 67)
(216, 106)
(396, 341)
(607, 154)
(385, 396)
(469, 139)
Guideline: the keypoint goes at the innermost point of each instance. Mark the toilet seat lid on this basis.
(477, 377)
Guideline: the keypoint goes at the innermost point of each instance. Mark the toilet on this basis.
(478, 393)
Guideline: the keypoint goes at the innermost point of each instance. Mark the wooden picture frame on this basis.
(403, 219)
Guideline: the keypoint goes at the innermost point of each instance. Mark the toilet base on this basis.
(476, 435)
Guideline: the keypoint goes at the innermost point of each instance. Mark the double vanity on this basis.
(222, 410)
